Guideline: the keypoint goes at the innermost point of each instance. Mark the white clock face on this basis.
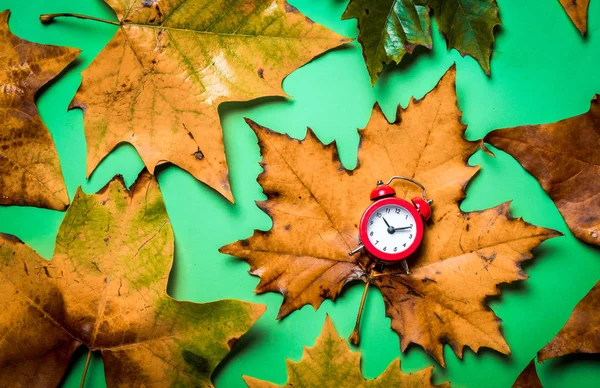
(391, 229)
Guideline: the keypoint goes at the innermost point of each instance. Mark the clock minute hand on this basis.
(403, 228)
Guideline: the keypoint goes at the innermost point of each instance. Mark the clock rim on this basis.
(378, 254)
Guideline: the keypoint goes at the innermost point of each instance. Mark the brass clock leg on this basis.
(357, 249)
(405, 266)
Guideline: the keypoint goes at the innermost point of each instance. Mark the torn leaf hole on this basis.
(198, 154)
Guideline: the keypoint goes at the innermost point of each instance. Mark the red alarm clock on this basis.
(391, 229)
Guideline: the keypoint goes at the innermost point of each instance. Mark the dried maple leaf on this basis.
(105, 288)
(581, 333)
(564, 157)
(30, 173)
(528, 378)
(330, 363)
(388, 29)
(158, 83)
(577, 11)
(316, 204)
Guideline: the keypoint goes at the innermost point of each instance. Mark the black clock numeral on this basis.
(371, 222)
(411, 225)
(395, 249)
(370, 234)
(406, 217)
(398, 210)
(387, 210)
(376, 241)
(384, 249)
(404, 245)
(409, 236)
(378, 214)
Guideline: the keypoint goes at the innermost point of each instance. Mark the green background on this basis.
(542, 71)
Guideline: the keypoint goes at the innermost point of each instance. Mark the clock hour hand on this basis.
(403, 228)
(390, 228)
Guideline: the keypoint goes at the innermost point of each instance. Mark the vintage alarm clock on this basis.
(391, 229)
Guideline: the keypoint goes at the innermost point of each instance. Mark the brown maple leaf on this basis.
(528, 378)
(105, 288)
(316, 204)
(564, 157)
(158, 83)
(577, 11)
(30, 173)
(331, 364)
(581, 333)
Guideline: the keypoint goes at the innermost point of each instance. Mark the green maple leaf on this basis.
(468, 26)
(388, 29)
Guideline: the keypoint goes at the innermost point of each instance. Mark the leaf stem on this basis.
(47, 18)
(85, 369)
(355, 336)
